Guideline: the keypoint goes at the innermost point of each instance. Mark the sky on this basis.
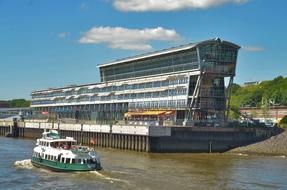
(56, 43)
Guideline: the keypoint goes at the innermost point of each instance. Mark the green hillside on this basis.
(274, 91)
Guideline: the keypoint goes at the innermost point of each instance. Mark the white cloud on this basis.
(128, 39)
(168, 5)
(63, 34)
(253, 48)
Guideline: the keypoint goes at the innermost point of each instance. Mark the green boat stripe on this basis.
(64, 166)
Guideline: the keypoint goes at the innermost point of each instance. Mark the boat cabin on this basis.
(58, 143)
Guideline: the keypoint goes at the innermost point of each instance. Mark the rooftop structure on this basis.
(251, 83)
(182, 84)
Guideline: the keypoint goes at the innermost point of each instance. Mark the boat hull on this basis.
(63, 167)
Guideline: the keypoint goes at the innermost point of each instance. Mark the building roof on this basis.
(166, 51)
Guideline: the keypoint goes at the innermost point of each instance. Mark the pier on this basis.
(146, 138)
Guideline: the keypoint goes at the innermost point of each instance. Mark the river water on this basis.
(132, 170)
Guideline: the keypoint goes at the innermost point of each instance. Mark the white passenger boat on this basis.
(58, 154)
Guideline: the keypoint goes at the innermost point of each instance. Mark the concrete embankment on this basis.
(147, 138)
(276, 145)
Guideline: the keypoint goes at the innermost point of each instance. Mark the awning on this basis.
(58, 98)
(68, 97)
(78, 88)
(92, 87)
(67, 90)
(91, 95)
(76, 96)
(149, 113)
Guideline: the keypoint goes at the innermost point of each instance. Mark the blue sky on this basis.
(60, 42)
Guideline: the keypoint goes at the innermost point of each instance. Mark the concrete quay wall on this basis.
(146, 138)
(209, 139)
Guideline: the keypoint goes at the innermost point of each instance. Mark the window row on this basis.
(180, 80)
(154, 71)
(140, 68)
(166, 93)
(158, 104)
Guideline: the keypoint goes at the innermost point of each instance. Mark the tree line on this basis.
(14, 103)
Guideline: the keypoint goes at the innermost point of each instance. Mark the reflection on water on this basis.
(132, 170)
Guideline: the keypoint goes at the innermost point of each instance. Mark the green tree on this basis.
(19, 103)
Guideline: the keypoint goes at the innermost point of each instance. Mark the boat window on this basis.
(45, 156)
(68, 160)
(73, 161)
(62, 159)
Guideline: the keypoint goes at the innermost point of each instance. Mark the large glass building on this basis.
(173, 86)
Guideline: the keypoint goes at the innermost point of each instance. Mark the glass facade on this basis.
(168, 63)
(182, 80)
(170, 87)
(218, 58)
